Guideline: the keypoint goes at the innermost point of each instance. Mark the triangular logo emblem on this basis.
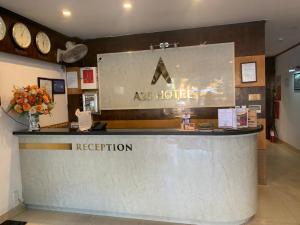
(161, 70)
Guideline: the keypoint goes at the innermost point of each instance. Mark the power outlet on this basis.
(16, 197)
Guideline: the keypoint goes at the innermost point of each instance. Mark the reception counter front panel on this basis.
(195, 179)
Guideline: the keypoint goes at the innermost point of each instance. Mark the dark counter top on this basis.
(67, 131)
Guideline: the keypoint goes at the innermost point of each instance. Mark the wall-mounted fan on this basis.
(73, 52)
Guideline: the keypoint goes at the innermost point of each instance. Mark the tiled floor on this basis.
(278, 203)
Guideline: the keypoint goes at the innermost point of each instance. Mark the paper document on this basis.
(72, 80)
(84, 120)
(227, 118)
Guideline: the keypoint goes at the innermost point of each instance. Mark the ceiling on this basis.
(102, 18)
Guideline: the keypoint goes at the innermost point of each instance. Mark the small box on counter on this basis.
(252, 118)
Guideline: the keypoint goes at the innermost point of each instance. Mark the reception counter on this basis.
(194, 177)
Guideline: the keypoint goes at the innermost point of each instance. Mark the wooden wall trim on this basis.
(260, 67)
(12, 213)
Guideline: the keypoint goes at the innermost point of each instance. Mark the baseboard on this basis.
(291, 147)
(12, 213)
(151, 219)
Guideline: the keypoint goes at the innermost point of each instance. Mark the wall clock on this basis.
(43, 42)
(2, 29)
(21, 35)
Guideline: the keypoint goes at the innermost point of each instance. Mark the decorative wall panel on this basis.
(186, 77)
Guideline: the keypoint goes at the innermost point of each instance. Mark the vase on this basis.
(34, 122)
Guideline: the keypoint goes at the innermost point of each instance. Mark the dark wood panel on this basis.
(154, 114)
(249, 40)
(74, 102)
(241, 98)
(270, 81)
(7, 45)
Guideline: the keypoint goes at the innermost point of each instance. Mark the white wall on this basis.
(288, 125)
(20, 71)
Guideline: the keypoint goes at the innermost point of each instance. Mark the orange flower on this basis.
(17, 95)
(46, 99)
(13, 101)
(20, 101)
(31, 98)
(18, 108)
(40, 91)
(26, 107)
(39, 108)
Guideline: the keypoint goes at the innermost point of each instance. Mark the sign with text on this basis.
(185, 77)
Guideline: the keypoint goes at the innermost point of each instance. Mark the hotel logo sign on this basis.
(161, 70)
(173, 94)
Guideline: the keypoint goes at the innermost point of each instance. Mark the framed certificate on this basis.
(248, 72)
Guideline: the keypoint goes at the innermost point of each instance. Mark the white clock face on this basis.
(21, 35)
(43, 42)
(2, 29)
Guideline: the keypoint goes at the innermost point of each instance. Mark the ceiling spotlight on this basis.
(292, 70)
(296, 69)
(127, 5)
(66, 13)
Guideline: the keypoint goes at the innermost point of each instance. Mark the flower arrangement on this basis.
(31, 100)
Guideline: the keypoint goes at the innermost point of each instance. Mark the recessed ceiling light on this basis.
(292, 70)
(280, 39)
(127, 5)
(66, 13)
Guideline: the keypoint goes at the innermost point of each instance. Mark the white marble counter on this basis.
(186, 179)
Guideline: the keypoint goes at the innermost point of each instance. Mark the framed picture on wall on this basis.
(248, 72)
(47, 84)
(297, 81)
(59, 86)
(88, 76)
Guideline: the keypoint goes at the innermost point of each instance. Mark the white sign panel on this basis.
(185, 77)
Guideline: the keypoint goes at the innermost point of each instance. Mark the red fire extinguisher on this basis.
(272, 136)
